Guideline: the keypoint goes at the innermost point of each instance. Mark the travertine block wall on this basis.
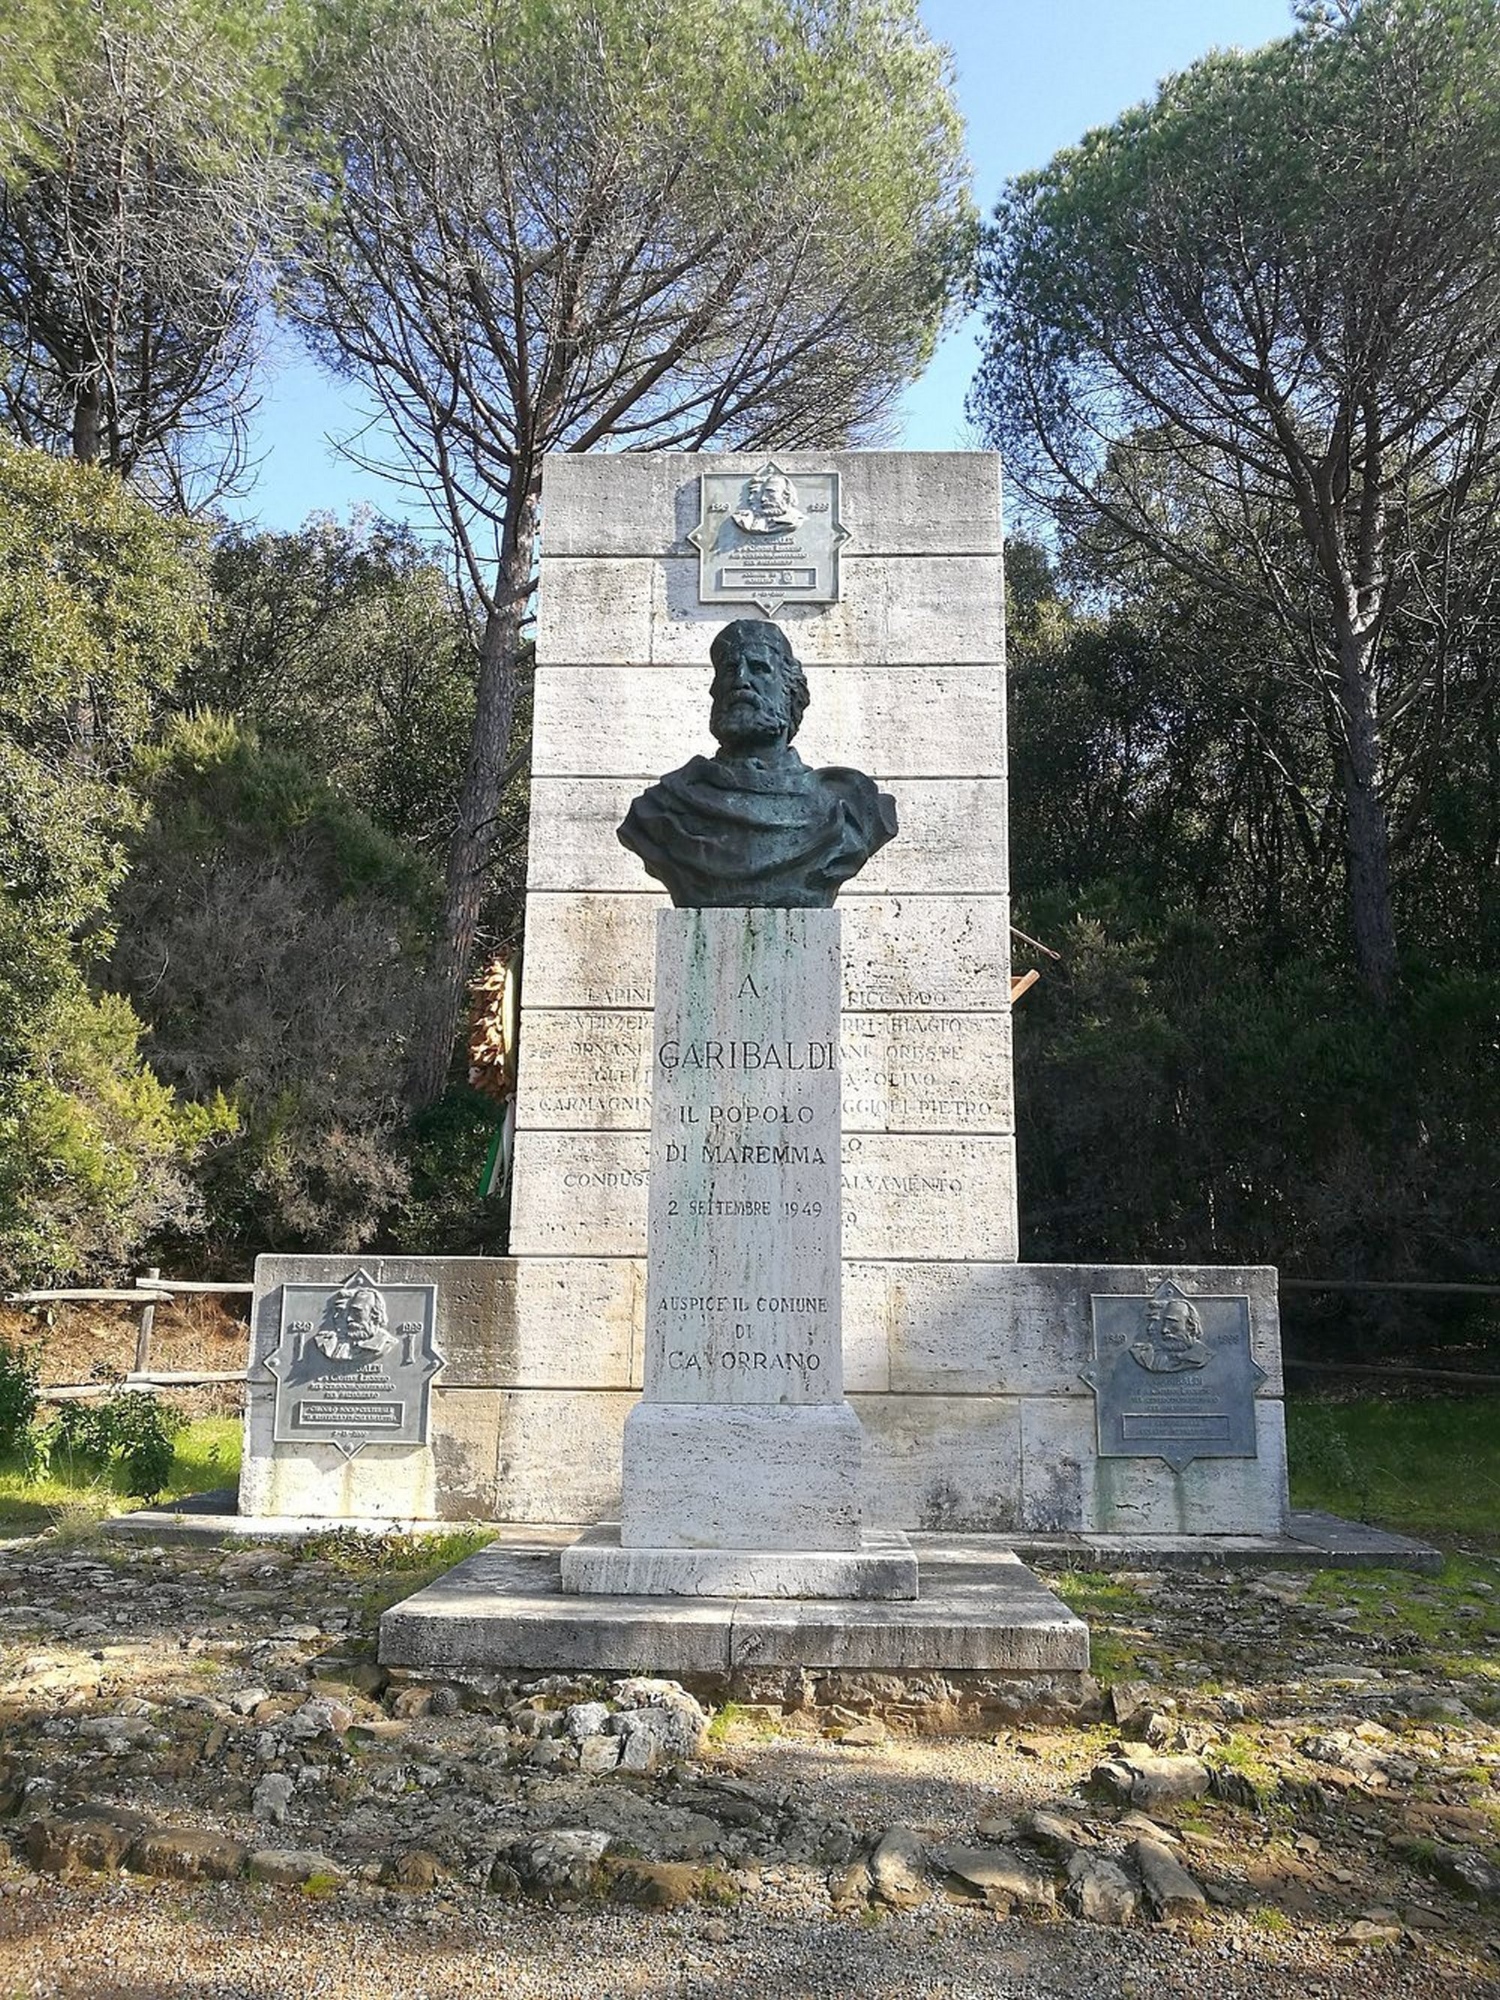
(963, 1367)
(907, 681)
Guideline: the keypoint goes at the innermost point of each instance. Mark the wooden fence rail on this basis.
(146, 1294)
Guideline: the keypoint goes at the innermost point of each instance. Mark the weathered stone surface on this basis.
(993, 1616)
(1099, 1890)
(927, 1072)
(902, 718)
(901, 1072)
(560, 1454)
(273, 1797)
(584, 1719)
(894, 502)
(850, 1887)
(185, 1855)
(505, 1608)
(698, 1476)
(1003, 1879)
(566, 1860)
(497, 1322)
(501, 1323)
(1467, 1872)
(598, 1754)
(941, 1463)
(575, 1324)
(1137, 1777)
(1065, 1488)
(619, 611)
(883, 1566)
(906, 1196)
(83, 1837)
(953, 839)
(294, 1868)
(1024, 1329)
(1165, 1883)
(743, 1281)
(941, 954)
(898, 1868)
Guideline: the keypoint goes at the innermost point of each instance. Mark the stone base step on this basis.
(883, 1567)
(505, 1608)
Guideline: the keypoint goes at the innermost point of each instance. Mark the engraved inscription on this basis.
(589, 1069)
(354, 1363)
(1173, 1376)
(769, 540)
(743, 1272)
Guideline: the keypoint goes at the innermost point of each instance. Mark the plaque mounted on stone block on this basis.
(354, 1363)
(1173, 1376)
(769, 539)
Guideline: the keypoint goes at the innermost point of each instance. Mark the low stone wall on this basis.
(967, 1379)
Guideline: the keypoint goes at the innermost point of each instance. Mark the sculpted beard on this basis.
(745, 713)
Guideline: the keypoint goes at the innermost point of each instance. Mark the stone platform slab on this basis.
(505, 1608)
(1312, 1541)
(883, 1566)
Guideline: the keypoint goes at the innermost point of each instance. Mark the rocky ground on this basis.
(209, 1789)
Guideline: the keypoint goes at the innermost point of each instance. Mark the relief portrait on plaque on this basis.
(1174, 1337)
(769, 538)
(1173, 1376)
(354, 1362)
(355, 1325)
(770, 505)
(753, 827)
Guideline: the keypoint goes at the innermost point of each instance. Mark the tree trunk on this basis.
(475, 830)
(88, 421)
(1367, 840)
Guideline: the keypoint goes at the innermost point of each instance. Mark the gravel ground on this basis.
(128, 1941)
(123, 1678)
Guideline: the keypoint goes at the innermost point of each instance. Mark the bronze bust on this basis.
(753, 827)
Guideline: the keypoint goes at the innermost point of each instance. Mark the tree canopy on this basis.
(1253, 327)
(528, 228)
(137, 153)
(101, 604)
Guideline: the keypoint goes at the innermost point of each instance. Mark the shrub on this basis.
(19, 1377)
(129, 1433)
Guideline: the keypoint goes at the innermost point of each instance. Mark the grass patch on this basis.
(1424, 1465)
(1448, 1624)
(393, 1565)
(204, 1454)
(1116, 1615)
(732, 1720)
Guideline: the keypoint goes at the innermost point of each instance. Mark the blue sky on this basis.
(1033, 76)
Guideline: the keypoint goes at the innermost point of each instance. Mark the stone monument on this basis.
(742, 1463)
(993, 1397)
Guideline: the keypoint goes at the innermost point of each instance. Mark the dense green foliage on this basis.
(345, 645)
(101, 604)
(128, 1434)
(20, 1377)
(270, 933)
(1203, 1075)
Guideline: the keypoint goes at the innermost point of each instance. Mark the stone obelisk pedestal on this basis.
(742, 1466)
